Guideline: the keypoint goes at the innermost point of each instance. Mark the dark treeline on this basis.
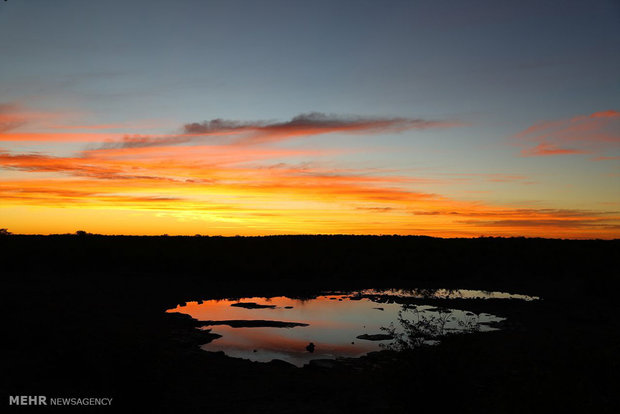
(324, 261)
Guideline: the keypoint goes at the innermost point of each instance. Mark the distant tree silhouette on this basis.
(5, 232)
(81, 233)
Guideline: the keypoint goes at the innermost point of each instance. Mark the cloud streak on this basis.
(543, 149)
(314, 123)
(225, 188)
(583, 134)
(217, 131)
(9, 117)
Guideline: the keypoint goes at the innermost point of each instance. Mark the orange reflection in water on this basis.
(333, 321)
(271, 338)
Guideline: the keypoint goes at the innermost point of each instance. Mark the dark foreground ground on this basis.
(86, 319)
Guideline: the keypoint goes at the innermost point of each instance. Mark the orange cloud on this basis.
(93, 126)
(543, 149)
(9, 118)
(13, 116)
(604, 158)
(59, 137)
(242, 133)
(232, 195)
(602, 114)
(596, 132)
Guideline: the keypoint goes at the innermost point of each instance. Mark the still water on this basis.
(338, 325)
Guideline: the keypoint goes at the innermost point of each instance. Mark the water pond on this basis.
(335, 325)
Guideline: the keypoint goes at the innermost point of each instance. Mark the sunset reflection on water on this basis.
(334, 323)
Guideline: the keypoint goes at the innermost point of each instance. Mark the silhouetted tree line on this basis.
(391, 260)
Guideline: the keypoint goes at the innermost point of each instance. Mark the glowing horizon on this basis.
(186, 184)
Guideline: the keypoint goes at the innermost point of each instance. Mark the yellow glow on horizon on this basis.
(156, 185)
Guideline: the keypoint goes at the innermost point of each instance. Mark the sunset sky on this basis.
(440, 118)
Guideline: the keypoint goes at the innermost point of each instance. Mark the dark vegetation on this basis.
(86, 319)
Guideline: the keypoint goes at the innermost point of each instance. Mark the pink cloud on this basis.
(594, 133)
(549, 149)
(603, 158)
